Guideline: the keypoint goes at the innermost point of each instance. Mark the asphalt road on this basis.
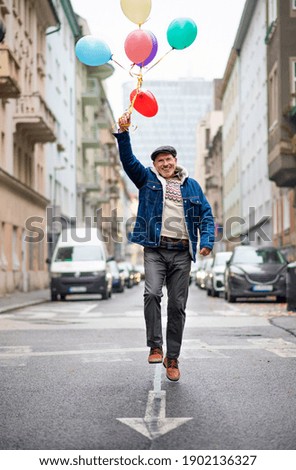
(74, 375)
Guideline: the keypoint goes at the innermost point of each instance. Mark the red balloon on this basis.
(145, 103)
(138, 45)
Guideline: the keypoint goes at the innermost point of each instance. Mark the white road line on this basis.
(88, 309)
(155, 424)
(276, 345)
(157, 378)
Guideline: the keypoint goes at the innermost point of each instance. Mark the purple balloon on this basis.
(152, 53)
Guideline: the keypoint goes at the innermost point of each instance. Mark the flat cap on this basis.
(164, 149)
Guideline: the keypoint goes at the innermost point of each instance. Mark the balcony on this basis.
(101, 119)
(9, 75)
(41, 64)
(282, 170)
(4, 7)
(89, 182)
(91, 136)
(212, 182)
(34, 118)
(102, 158)
(91, 95)
(101, 72)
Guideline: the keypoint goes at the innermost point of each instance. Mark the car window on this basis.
(221, 259)
(259, 256)
(80, 253)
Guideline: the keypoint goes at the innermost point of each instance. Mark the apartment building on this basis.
(27, 123)
(247, 188)
(281, 76)
(256, 188)
(60, 91)
(231, 166)
(208, 163)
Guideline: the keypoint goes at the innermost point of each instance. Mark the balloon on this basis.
(152, 53)
(92, 51)
(136, 10)
(145, 102)
(181, 33)
(138, 45)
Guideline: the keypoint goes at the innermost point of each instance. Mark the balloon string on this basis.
(160, 59)
(132, 103)
(119, 64)
(139, 85)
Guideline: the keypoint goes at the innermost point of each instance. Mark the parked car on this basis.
(137, 274)
(215, 277)
(193, 272)
(255, 272)
(118, 283)
(202, 272)
(126, 269)
(79, 265)
(140, 268)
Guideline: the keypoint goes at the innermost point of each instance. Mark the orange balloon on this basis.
(138, 45)
(145, 102)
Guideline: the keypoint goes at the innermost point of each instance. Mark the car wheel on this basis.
(214, 293)
(105, 294)
(281, 299)
(63, 297)
(53, 296)
(231, 298)
(209, 292)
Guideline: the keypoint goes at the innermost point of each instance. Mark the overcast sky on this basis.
(217, 22)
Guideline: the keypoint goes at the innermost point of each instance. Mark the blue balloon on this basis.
(92, 51)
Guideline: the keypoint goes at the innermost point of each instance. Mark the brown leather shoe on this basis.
(155, 355)
(172, 369)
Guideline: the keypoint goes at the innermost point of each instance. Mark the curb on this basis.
(10, 308)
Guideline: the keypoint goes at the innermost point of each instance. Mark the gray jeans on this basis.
(173, 267)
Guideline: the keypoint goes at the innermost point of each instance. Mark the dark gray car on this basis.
(255, 272)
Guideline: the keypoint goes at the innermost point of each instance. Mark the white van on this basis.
(79, 265)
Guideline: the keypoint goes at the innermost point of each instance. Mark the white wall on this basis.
(256, 187)
(60, 97)
(231, 154)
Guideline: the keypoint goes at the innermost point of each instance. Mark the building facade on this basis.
(60, 90)
(231, 166)
(281, 77)
(26, 124)
(256, 188)
(102, 196)
(208, 164)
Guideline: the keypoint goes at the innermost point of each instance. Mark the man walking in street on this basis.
(172, 213)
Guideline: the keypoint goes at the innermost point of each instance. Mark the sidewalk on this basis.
(17, 299)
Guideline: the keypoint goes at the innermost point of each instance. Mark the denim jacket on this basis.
(147, 228)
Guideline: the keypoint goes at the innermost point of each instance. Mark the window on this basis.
(273, 97)
(3, 260)
(286, 211)
(207, 138)
(293, 4)
(293, 81)
(40, 256)
(15, 255)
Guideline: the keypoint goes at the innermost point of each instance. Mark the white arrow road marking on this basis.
(155, 424)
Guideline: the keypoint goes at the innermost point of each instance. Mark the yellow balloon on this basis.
(136, 10)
